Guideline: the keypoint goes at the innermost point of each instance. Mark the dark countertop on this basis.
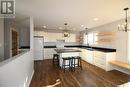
(24, 47)
(49, 46)
(66, 50)
(87, 48)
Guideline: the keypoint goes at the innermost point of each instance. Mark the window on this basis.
(85, 39)
(90, 38)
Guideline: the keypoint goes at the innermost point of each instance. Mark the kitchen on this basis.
(78, 40)
(98, 46)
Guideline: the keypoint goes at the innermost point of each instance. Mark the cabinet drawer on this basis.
(100, 62)
(99, 54)
(99, 58)
(103, 66)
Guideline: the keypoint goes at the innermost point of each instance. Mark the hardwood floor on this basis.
(91, 76)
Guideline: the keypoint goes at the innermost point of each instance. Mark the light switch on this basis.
(0, 44)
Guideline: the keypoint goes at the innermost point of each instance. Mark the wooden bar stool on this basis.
(76, 62)
(56, 59)
(66, 63)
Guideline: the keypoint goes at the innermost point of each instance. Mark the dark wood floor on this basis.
(91, 76)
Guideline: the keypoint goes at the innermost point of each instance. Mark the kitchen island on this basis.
(64, 53)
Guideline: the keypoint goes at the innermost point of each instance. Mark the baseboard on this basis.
(30, 79)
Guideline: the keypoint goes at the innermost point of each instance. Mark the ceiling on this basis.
(77, 13)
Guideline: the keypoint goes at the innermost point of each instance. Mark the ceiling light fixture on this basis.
(44, 27)
(66, 31)
(95, 19)
(125, 27)
(82, 25)
(86, 31)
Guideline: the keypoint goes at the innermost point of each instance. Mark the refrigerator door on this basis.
(38, 48)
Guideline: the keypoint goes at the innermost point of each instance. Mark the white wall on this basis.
(31, 24)
(7, 38)
(23, 28)
(24, 36)
(17, 72)
(1, 39)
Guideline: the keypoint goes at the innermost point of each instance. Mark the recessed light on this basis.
(82, 25)
(95, 19)
(60, 28)
(43, 26)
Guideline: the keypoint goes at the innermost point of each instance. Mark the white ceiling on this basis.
(54, 13)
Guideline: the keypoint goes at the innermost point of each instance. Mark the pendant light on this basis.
(125, 27)
(66, 31)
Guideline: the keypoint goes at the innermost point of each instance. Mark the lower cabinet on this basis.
(87, 55)
(48, 53)
(101, 59)
(90, 57)
(98, 58)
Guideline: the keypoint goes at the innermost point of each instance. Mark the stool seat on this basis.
(66, 63)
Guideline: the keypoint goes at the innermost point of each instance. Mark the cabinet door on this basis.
(48, 53)
(90, 56)
(100, 59)
(84, 54)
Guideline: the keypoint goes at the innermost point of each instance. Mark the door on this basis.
(14, 43)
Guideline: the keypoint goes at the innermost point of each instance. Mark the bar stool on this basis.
(76, 62)
(56, 59)
(66, 63)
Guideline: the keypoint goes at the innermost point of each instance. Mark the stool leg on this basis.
(80, 63)
(78, 60)
(53, 59)
(74, 64)
(64, 65)
(58, 62)
(71, 62)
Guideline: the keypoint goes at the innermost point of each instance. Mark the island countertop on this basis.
(66, 50)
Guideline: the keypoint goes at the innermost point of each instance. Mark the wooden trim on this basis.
(121, 64)
(105, 34)
(104, 40)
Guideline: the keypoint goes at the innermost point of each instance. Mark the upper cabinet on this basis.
(53, 37)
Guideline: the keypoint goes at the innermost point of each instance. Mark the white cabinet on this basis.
(98, 58)
(87, 55)
(101, 59)
(90, 56)
(48, 53)
(83, 54)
